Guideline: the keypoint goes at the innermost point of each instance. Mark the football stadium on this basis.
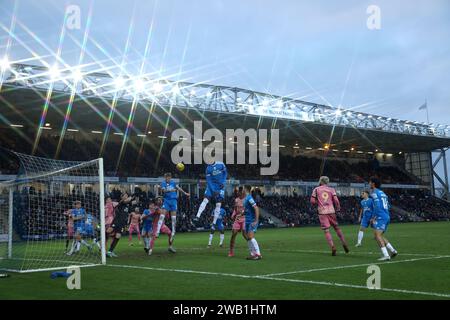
(128, 185)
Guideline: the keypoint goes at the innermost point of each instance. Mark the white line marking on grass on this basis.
(352, 266)
(336, 284)
(323, 251)
(181, 271)
(323, 283)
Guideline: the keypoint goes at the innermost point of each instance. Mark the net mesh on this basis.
(50, 215)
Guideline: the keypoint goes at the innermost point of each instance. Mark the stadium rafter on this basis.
(205, 97)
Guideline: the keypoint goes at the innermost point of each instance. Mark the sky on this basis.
(320, 51)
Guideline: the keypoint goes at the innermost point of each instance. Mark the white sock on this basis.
(391, 248)
(77, 246)
(211, 235)
(255, 246)
(250, 247)
(174, 224)
(160, 222)
(147, 242)
(217, 212)
(360, 236)
(384, 251)
(72, 247)
(202, 207)
(222, 237)
(84, 243)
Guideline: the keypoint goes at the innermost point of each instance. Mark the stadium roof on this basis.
(157, 105)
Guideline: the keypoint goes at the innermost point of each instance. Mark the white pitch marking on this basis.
(323, 251)
(352, 266)
(324, 283)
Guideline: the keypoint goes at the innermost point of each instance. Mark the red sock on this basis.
(329, 239)
(152, 242)
(130, 237)
(340, 235)
(169, 235)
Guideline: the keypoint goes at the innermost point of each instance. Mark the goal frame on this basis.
(11, 184)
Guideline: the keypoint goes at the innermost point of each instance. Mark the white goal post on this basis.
(52, 216)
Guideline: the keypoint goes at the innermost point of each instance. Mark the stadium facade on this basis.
(37, 102)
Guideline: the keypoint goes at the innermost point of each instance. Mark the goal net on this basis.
(52, 215)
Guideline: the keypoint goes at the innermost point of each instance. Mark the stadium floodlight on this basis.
(192, 93)
(176, 89)
(149, 132)
(157, 87)
(279, 103)
(77, 76)
(338, 112)
(54, 72)
(349, 114)
(224, 97)
(250, 100)
(138, 84)
(16, 125)
(4, 63)
(119, 83)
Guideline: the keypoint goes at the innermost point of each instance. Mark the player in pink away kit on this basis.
(238, 217)
(70, 231)
(134, 219)
(155, 211)
(110, 207)
(328, 204)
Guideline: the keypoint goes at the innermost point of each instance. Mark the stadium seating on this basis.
(147, 163)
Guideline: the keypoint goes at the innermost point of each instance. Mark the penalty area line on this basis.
(353, 266)
(311, 282)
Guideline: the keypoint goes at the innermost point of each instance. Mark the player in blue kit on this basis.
(365, 215)
(219, 226)
(216, 177)
(147, 221)
(381, 219)
(251, 211)
(91, 229)
(169, 189)
(79, 216)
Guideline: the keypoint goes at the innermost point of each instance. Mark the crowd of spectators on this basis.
(149, 160)
(41, 215)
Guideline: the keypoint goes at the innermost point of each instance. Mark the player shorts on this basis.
(134, 228)
(215, 194)
(239, 225)
(327, 221)
(147, 227)
(79, 230)
(219, 224)
(118, 228)
(170, 205)
(381, 223)
(365, 221)
(88, 232)
(250, 228)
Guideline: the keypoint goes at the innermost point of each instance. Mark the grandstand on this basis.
(131, 130)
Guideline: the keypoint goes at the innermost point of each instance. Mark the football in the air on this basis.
(180, 166)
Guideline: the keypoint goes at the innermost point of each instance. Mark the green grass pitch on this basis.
(296, 264)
